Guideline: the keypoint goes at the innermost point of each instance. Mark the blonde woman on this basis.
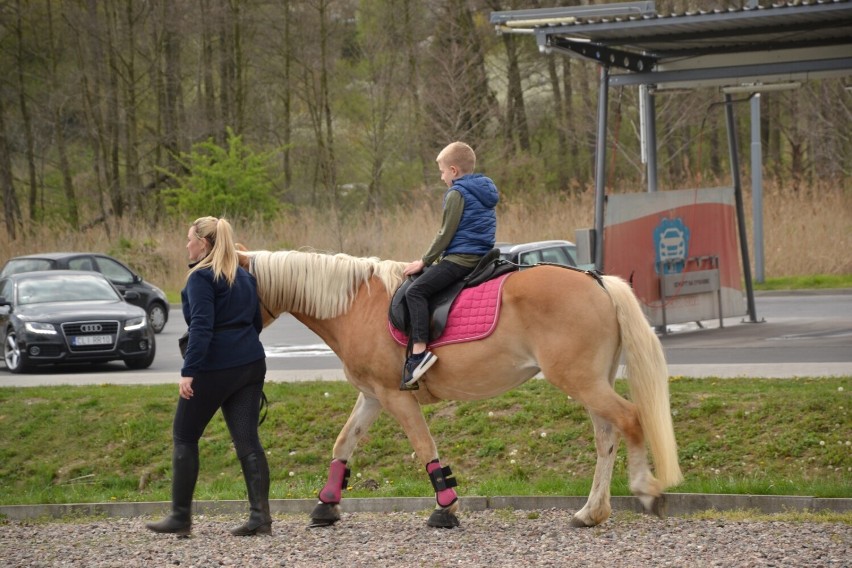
(224, 367)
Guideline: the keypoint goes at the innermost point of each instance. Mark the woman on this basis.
(224, 367)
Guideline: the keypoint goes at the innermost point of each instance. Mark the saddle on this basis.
(490, 266)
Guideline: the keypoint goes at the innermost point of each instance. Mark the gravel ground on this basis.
(493, 538)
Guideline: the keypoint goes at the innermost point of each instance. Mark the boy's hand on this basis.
(413, 267)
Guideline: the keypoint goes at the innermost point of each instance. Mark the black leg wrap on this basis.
(442, 478)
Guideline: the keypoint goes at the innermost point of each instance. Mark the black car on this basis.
(70, 316)
(148, 297)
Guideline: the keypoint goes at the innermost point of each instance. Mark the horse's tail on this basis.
(647, 377)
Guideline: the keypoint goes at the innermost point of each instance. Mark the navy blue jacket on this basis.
(209, 304)
(477, 228)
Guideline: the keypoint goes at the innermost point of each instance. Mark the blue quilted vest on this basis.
(477, 228)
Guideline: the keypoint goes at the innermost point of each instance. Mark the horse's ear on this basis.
(240, 247)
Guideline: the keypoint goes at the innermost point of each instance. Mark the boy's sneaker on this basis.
(416, 366)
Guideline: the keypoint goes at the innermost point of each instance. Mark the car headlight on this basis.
(39, 327)
(135, 323)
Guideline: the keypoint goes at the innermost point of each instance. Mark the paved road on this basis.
(799, 334)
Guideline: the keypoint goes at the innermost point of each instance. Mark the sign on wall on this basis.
(679, 249)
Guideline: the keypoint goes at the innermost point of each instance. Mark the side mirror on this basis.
(131, 295)
(4, 301)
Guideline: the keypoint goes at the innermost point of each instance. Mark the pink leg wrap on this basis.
(337, 475)
(444, 492)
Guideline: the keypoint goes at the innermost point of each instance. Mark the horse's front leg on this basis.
(365, 412)
(405, 408)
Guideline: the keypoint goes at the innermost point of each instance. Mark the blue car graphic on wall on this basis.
(671, 243)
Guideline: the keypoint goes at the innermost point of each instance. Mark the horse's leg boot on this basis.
(443, 482)
(338, 476)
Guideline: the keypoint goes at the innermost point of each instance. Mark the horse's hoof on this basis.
(659, 506)
(443, 519)
(324, 515)
(579, 523)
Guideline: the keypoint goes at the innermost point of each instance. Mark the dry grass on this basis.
(805, 232)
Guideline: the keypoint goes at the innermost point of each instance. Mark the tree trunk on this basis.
(172, 95)
(72, 211)
(133, 183)
(34, 213)
(516, 112)
(562, 157)
(212, 127)
(11, 210)
(226, 71)
(328, 168)
(287, 96)
(586, 129)
(113, 125)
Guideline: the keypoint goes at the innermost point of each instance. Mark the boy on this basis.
(467, 233)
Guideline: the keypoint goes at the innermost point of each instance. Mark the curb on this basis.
(677, 504)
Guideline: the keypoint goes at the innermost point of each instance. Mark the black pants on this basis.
(433, 280)
(237, 391)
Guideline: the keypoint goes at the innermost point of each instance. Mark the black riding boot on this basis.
(184, 475)
(256, 473)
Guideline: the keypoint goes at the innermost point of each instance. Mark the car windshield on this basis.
(65, 289)
(19, 265)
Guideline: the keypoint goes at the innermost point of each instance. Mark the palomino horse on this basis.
(562, 323)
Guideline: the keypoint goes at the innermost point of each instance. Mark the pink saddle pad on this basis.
(473, 315)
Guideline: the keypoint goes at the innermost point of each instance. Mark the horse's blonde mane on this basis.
(317, 284)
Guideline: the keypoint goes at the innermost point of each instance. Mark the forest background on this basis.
(315, 123)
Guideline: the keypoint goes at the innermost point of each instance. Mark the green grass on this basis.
(811, 282)
(107, 443)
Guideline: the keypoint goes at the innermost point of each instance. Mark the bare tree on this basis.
(171, 100)
(11, 210)
(460, 102)
(315, 61)
(26, 119)
(381, 66)
(126, 70)
(515, 124)
(72, 210)
(213, 126)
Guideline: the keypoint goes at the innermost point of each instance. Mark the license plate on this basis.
(80, 340)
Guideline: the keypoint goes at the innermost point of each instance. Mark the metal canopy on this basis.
(751, 49)
(781, 42)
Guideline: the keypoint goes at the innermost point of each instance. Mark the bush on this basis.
(233, 182)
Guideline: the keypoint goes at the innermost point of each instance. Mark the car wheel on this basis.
(144, 361)
(157, 317)
(13, 356)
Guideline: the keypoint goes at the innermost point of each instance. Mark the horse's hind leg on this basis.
(624, 415)
(365, 412)
(597, 508)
